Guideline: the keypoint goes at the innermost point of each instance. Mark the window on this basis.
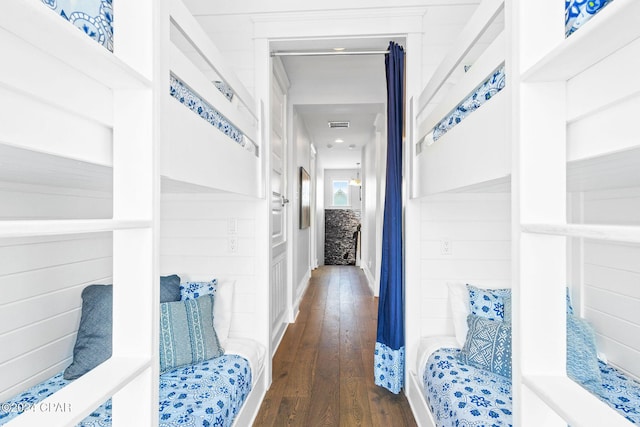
(341, 193)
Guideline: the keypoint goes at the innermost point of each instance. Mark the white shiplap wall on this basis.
(611, 278)
(477, 227)
(194, 244)
(41, 279)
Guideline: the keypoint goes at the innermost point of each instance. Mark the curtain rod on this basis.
(329, 52)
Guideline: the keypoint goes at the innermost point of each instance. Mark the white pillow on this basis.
(459, 303)
(222, 307)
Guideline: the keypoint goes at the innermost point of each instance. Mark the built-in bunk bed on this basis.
(104, 148)
(540, 143)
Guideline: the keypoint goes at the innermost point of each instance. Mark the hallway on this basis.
(323, 369)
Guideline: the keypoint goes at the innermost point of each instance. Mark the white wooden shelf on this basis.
(627, 234)
(613, 27)
(39, 26)
(89, 391)
(27, 228)
(572, 402)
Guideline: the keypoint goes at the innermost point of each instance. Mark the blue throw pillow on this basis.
(187, 335)
(582, 356)
(170, 288)
(93, 342)
(487, 303)
(488, 345)
(191, 290)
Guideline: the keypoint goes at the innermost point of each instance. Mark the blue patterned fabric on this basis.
(619, 391)
(206, 394)
(186, 96)
(225, 89)
(488, 303)
(187, 334)
(388, 369)
(93, 17)
(577, 12)
(462, 395)
(471, 103)
(192, 290)
(488, 345)
(582, 356)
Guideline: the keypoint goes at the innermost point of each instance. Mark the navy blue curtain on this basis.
(389, 351)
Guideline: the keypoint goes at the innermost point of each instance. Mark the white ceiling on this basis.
(337, 88)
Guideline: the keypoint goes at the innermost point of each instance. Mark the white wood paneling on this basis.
(194, 244)
(462, 147)
(41, 284)
(196, 152)
(41, 279)
(49, 129)
(477, 228)
(611, 278)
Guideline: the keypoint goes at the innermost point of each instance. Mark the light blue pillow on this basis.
(93, 342)
(582, 356)
(191, 290)
(488, 345)
(488, 303)
(187, 335)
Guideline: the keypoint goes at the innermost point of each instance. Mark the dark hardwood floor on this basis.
(323, 369)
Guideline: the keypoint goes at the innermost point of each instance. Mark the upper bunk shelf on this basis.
(59, 93)
(211, 136)
(612, 28)
(602, 139)
(472, 146)
(67, 44)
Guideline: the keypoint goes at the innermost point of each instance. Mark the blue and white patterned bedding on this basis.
(577, 12)
(460, 395)
(204, 395)
(463, 396)
(93, 17)
(471, 103)
(192, 101)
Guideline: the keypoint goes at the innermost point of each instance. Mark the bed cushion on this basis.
(170, 288)
(93, 342)
(488, 303)
(210, 393)
(488, 345)
(582, 357)
(190, 290)
(222, 302)
(187, 335)
(462, 395)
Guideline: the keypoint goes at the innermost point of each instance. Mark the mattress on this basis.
(461, 395)
(208, 393)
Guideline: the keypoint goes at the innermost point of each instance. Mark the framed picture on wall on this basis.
(305, 198)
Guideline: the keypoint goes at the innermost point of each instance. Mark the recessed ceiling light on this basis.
(339, 140)
(338, 49)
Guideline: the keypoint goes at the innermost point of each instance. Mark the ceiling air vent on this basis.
(333, 125)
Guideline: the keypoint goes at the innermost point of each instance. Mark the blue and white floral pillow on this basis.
(192, 290)
(488, 303)
(93, 17)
